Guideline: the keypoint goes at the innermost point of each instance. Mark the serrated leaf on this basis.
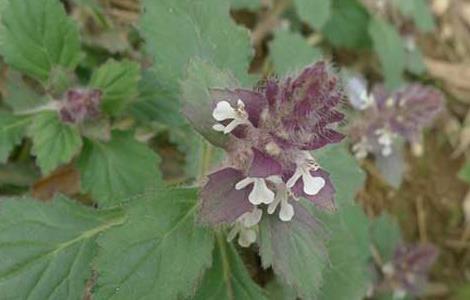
(228, 278)
(292, 58)
(12, 130)
(119, 83)
(19, 96)
(295, 250)
(197, 100)
(161, 252)
(314, 12)
(155, 103)
(199, 28)
(37, 36)
(347, 26)
(114, 171)
(347, 276)
(47, 248)
(345, 173)
(54, 143)
(386, 236)
(389, 48)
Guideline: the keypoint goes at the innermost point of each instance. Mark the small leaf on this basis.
(246, 4)
(197, 100)
(47, 248)
(295, 250)
(296, 56)
(12, 130)
(420, 11)
(114, 171)
(415, 61)
(386, 236)
(314, 12)
(160, 253)
(54, 143)
(389, 48)
(37, 36)
(199, 29)
(118, 82)
(392, 167)
(228, 278)
(347, 26)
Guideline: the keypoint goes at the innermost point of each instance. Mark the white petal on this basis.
(273, 205)
(312, 185)
(244, 183)
(252, 218)
(293, 180)
(233, 232)
(385, 139)
(387, 150)
(287, 211)
(224, 111)
(218, 127)
(247, 237)
(261, 193)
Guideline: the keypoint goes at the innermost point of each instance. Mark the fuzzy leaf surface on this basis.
(314, 12)
(37, 36)
(12, 130)
(228, 278)
(118, 82)
(121, 168)
(296, 56)
(160, 253)
(54, 143)
(47, 248)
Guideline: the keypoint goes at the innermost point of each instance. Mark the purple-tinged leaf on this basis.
(221, 203)
(263, 165)
(325, 197)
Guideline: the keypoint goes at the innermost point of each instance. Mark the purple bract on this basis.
(79, 105)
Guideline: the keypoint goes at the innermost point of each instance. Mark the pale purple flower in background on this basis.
(272, 131)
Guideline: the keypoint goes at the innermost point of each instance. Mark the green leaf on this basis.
(347, 276)
(415, 62)
(389, 47)
(314, 12)
(37, 37)
(348, 178)
(47, 248)
(279, 291)
(199, 28)
(119, 83)
(464, 173)
(420, 11)
(155, 103)
(19, 96)
(228, 278)
(114, 171)
(295, 250)
(12, 130)
(246, 4)
(298, 54)
(160, 253)
(54, 143)
(347, 26)
(197, 100)
(386, 236)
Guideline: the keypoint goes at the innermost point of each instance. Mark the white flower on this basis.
(224, 111)
(361, 148)
(260, 192)
(312, 184)
(286, 213)
(385, 139)
(245, 227)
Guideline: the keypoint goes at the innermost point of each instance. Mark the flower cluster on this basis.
(407, 272)
(79, 105)
(272, 131)
(386, 117)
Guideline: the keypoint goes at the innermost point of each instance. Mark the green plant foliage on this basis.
(347, 26)
(160, 253)
(389, 48)
(47, 248)
(12, 130)
(228, 278)
(246, 4)
(18, 96)
(37, 37)
(116, 170)
(119, 84)
(199, 29)
(385, 234)
(298, 54)
(314, 12)
(54, 143)
(419, 11)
